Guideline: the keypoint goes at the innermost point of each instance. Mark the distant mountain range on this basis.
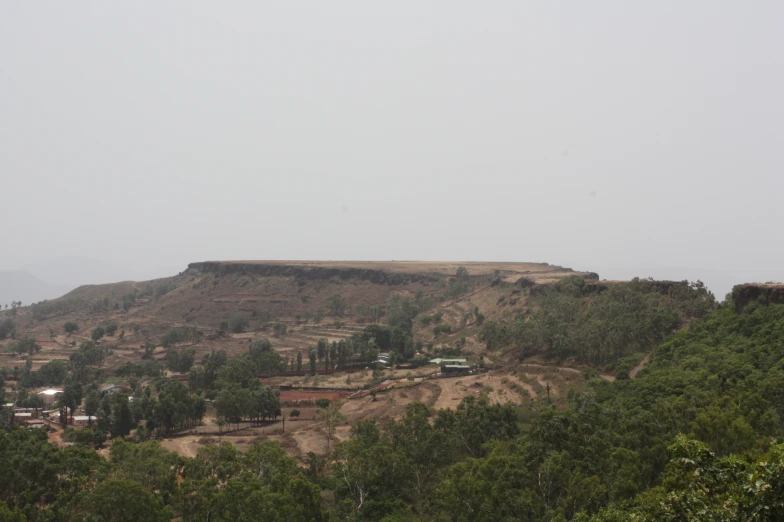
(18, 285)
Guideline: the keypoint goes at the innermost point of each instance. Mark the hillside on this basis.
(503, 312)
(694, 436)
(570, 370)
(298, 294)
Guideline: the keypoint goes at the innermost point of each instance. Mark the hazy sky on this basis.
(605, 136)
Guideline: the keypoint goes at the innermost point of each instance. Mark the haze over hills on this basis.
(52, 278)
(18, 285)
(155, 156)
(73, 271)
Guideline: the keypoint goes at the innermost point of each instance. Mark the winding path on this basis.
(634, 371)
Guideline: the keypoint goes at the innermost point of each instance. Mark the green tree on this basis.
(240, 371)
(89, 354)
(263, 316)
(97, 333)
(92, 402)
(259, 347)
(111, 328)
(71, 397)
(267, 362)
(149, 350)
(71, 327)
(121, 416)
(279, 329)
(196, 377)
(25, 345)
(9, 515)
(120, 501)
(173, 361)
(321, 348)
(337, 305)
(460, 283)
(7, 328)
(187, 358)
(52, 373)
(231, 403)
(238, 323)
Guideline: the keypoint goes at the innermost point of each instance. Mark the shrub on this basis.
(279, 329)
(48, 309)
(98, 333)
(110, 328)
(180, 335)
(71, 327)
(442, 328)
(238, 323)
(85, 436)
(6, 328)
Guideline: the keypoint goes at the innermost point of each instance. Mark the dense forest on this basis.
(610, 326)
(695, 436)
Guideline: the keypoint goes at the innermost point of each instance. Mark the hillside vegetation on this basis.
(609, 325)
(692, 437)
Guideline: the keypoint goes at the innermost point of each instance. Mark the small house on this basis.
(82, 421)
(20, 417)
(455, 369)
(111, 389)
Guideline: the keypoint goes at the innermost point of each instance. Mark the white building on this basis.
(82, 421)
(49, 396)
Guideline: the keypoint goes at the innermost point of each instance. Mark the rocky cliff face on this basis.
(372, 275)
(767, 293)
